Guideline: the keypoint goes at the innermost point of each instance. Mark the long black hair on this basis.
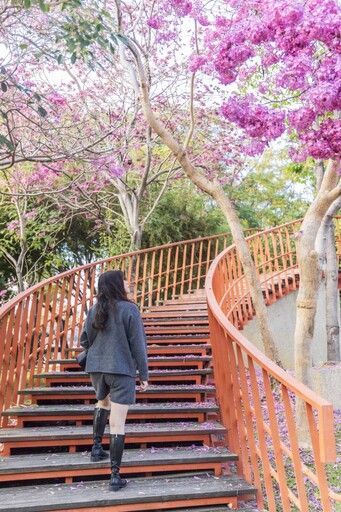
(111, 290)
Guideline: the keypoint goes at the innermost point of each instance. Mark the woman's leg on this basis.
(104, 404)
(118, 415)
(101, 413)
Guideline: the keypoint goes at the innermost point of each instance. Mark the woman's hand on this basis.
(143, 385)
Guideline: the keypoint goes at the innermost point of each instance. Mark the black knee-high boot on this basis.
(116, 452)
(99, 422)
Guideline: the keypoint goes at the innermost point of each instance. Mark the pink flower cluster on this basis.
(230, 57)
(289, 52)
(325, 142)
(302, 118)
(155, 22)
(257, 120)
(196, 62)
(181, 7)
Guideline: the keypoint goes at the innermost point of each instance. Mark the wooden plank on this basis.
(89, 390)
(163, 492)
(173, 322)
(134, 460)
(170, 349)
(78, 412)
(167, 374)
(169, 330)
(87, 393)
(132, 429)
(73, 436)
(159, 314)
(168, 339)
(187, 358)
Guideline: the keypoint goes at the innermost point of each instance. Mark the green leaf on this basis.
(27, 4)
(42, 5)
(60, 59)
(73, 57)
(4, 87)
(113, 38)
(71, 45)
(37, 96)
(42, 112)
(124, 39)
(3, 70)
(5, 142)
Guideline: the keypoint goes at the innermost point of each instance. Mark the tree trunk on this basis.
(136, 239)
(332, 298)
(310, 276)
(309, 264)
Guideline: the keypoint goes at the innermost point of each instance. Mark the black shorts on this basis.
(122, 388)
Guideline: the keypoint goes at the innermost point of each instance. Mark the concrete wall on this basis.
(282, 316)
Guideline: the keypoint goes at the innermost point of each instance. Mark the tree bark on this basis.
(332, 298)
(309, 264)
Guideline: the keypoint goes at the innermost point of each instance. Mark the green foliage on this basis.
(34, 237)
(183, 214)
(79, 244)
(112, 245)
(275, 192)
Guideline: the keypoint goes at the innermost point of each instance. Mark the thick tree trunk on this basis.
(332, 298)
(309, 263)
(310, 275)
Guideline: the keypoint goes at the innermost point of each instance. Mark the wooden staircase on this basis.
(175, 456)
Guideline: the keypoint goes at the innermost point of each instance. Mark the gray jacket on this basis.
(121, 346)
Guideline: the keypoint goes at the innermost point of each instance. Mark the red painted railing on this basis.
(256, 397)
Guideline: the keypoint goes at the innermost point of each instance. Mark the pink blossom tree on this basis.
(27, 225)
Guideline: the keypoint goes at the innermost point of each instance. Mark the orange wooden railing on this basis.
(43, 323)
(256, 397)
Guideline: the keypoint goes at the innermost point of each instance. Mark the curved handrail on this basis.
(256, 397)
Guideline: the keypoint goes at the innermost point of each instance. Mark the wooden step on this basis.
(81, 412)
(184, 300)
(174, 306)
(156, 493)
(158, 314)
(169, 330)
(70, 466)
(155, 349)
(186, 360)
(176, 339)
(186, 375)
(174, 322)
(197, 392)
(73, 436)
